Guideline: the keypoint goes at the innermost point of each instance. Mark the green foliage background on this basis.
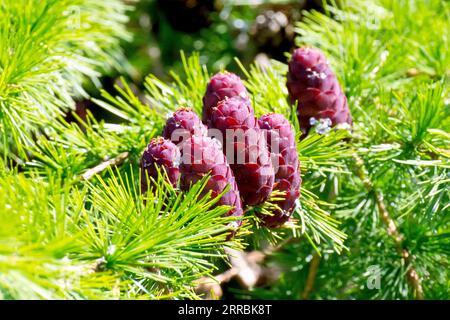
(69, 234)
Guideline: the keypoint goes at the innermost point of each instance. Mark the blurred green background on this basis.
(219, 30)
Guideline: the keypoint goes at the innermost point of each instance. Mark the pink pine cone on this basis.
(282, 145)
(221, 85)
(247, 152)
(182, 124)
(313, 86)
(162, 154)
(202, 156)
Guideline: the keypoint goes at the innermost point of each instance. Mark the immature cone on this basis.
(182, 124)
(281, 143)
(245, 148)
(202, 156)
(161, 154)
(313, 86)
(221, 85)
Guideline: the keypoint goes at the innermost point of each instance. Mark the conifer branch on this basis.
(312, 274)
(105, 165)
(48, 49)
(391, 228)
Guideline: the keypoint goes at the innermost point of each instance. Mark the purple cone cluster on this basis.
(186, 137)
(244, 162)
(260, 155)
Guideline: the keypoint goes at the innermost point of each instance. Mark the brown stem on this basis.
(312, 274)
(245, 267)
(392, 230)
(413, 72)
(105, 165)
